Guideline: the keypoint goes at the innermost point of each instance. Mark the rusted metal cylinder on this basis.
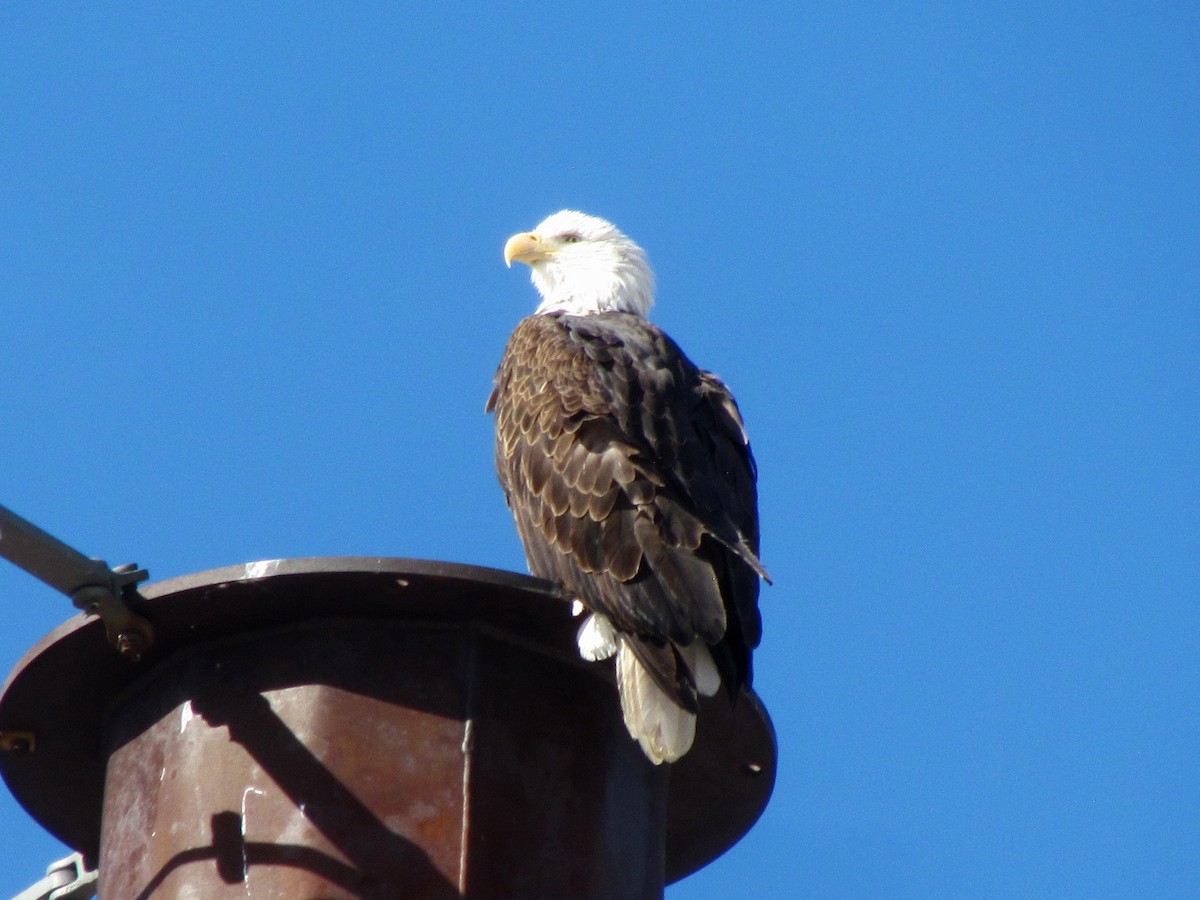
(355, 759)
(365, 728)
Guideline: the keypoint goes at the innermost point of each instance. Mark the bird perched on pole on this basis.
(629, 475)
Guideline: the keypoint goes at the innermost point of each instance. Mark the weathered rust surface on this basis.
(361, 728)
(322, 759)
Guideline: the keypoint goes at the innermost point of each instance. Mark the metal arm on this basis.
(92, 586)
(67, 879)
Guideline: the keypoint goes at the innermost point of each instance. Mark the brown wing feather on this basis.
(632, 484)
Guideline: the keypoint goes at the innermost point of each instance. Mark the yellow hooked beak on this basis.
(525, 247)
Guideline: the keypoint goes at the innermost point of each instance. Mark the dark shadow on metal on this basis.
(229, 848)
(232, 855)
(335, 811)
(264, 720)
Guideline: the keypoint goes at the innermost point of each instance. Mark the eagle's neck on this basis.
(616, 281)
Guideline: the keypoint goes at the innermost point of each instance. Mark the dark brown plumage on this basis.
(629, 475)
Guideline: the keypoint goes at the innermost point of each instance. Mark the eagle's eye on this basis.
(571, 237)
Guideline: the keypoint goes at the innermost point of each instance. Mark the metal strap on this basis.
(92, 586)
(67, 879)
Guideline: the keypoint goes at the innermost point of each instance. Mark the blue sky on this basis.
(946, 257)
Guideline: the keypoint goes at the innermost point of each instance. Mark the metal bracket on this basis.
(92, 586)
(67, 879)
(131, 634)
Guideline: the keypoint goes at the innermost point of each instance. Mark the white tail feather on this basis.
(699, 660)
(663, 728)
(597, 638)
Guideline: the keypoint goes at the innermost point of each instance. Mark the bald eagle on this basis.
(629, 475)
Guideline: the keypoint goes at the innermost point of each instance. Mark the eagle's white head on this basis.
(582, 265)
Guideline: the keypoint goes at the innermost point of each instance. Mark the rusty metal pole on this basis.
(365, 728)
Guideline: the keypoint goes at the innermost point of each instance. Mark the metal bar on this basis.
(92, 586)
(67, 879)
(47, 558)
